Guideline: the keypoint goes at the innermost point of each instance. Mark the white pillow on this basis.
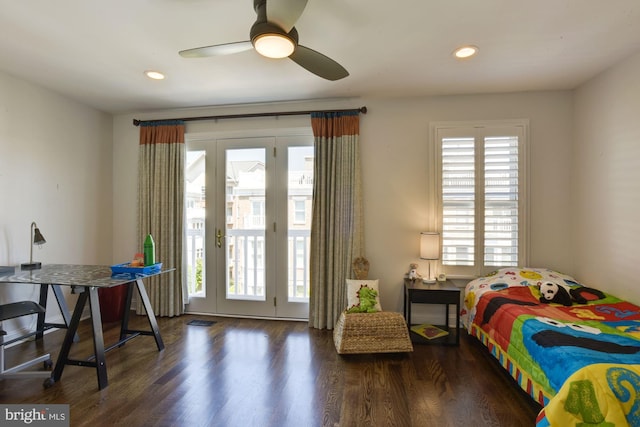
(354, 285)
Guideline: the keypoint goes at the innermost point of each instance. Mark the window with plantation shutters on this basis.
(501, 201)
(482, 198)
(458, 201)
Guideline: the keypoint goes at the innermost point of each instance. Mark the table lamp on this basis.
(35, 238)
(430, 250)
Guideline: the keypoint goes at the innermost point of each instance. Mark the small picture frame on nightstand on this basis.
(442, 277)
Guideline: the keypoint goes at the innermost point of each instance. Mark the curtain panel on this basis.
(337, 225)
(161, 201)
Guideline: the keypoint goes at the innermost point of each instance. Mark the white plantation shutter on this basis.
(482, 201)
(458, 201)
(501, 201)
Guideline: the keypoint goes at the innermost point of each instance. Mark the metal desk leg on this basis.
(150, 315)
(62, 305)
(98, 338)
(44, 293)
(124, 325)
(64, 309)
(63, 356)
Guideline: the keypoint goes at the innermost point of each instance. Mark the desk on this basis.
(85, 280)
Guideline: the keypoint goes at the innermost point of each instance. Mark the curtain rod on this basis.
(362, 110)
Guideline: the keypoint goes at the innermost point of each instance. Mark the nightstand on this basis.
(433, 293)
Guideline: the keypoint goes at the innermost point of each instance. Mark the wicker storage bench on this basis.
(380, 332)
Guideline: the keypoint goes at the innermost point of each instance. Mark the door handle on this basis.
(219, 237)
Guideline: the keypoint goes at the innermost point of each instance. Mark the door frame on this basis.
(208, 141)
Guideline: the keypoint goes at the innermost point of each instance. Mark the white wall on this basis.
(606, 181)
(394, 141)
(55, 169)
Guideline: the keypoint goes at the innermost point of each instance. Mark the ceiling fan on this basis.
(273, 35)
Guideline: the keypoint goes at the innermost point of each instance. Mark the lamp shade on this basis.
(38, 238)
(429, 245)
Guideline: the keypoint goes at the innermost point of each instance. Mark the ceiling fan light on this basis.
(274, 45)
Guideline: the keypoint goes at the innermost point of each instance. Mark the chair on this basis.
(379, 332)
(11, 311)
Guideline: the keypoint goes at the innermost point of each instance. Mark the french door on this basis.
(255, 231)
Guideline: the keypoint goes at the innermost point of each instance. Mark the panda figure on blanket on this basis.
(561, 294)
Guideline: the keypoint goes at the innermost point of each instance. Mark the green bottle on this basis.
(149, 251)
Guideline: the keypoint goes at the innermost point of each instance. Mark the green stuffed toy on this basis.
(367, 297)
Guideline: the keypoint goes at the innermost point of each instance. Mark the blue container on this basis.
(134, 272)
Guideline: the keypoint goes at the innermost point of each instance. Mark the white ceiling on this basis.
(96, 51)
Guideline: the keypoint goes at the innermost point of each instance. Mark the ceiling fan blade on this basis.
(318, 64)
(216, 50)
(285, 13)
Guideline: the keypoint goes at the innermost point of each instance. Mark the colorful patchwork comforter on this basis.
(580, 362)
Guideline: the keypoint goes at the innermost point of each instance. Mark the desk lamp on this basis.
(35, 238)
(430, 250)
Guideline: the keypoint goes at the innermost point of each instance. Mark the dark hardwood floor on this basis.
(246, 372)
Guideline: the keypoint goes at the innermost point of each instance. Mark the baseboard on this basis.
(238, 316)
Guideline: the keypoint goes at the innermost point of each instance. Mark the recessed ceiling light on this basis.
(155, 75)
(465, 51)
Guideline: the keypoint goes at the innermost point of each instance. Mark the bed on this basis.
(580, 362)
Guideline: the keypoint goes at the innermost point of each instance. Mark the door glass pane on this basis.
(300, 189)
(195, 211)
(245, 225)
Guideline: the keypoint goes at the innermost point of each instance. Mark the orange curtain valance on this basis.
(330, 125)
(162, 132)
